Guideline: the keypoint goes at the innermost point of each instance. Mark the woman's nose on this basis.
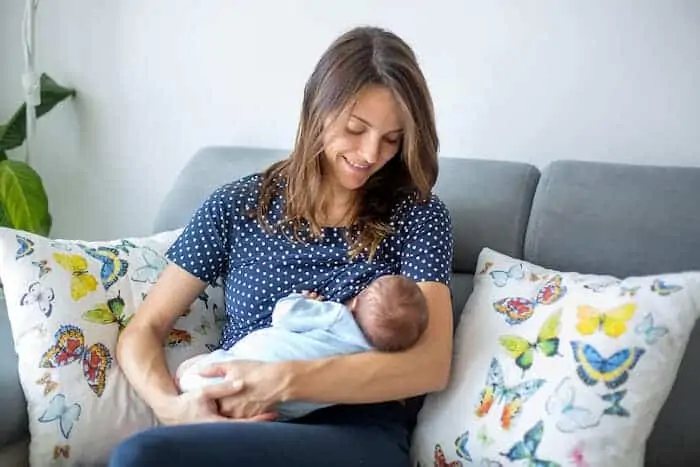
(369, 149)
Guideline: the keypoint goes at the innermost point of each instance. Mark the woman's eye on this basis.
(354, 131)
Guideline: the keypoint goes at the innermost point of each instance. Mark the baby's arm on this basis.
(299, 313)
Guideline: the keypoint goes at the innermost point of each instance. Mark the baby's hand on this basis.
(312, 295)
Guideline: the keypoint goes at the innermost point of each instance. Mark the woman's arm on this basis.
(375, 376)
(140, 346)
(142, 359)
(365, 377)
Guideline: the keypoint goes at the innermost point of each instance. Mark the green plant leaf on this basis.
(23, 197)
(4, 219)
(14, 132)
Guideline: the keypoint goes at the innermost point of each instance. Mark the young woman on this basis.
(352, 201)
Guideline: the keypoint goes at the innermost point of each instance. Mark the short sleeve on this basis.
(204, 245)
(427, 251)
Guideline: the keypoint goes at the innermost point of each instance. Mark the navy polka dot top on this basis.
(258, 268)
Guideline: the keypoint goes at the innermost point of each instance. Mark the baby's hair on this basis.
(392, 313)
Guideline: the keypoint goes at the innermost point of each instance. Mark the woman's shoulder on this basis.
(410, 209)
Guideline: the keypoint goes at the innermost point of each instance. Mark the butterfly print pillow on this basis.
(551, 368)
(67, 302)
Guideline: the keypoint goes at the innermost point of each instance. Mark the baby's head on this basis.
(392, 312)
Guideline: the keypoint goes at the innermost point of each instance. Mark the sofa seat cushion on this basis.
(558, 367)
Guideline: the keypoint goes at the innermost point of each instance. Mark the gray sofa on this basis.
(570, 215)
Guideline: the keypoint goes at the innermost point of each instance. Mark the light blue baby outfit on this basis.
(302, 329)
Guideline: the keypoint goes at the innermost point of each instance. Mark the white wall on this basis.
(157, 79)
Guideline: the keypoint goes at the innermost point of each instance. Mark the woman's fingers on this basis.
(220, 390)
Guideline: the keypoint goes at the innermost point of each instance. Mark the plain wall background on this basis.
(156, 80)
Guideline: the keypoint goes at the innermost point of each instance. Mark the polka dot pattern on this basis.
(259, 268)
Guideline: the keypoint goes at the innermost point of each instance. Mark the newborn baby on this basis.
(389, 315)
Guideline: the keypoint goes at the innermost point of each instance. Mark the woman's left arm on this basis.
(378, 376)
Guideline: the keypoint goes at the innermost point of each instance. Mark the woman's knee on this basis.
(142, 449)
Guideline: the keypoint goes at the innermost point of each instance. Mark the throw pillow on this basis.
(557, 368)
(67, 301)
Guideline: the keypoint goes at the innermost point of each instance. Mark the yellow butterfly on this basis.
(613, 322)
(81, 282)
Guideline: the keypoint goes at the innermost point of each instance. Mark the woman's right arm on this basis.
(142, 359)
(140, 346)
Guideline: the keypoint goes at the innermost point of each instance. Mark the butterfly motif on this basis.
(113, 267)
(25, 246)
(61, 245)
(43, 266)
(483, 436)
(601, 286)
(663, 289)
(629, 291)
(519, 309)
(39, 296)
(81, 281)
(49, 384)
(125, 245)
(649, 330)
(616, 409)
(526, 450)
(461, 446)
(489, 463)
(561, 405)
(110, 312)
(61, 451)
(203, 328)
(178, 337)
(523, 351)
(512, 397)
(219, 316)
(153, 266)
(441, 460)
(65, 414)
(487, 266)
(612, 322)
(204, 298)
(613, 370)
(577, 456)
(69, 347)
(501, 278)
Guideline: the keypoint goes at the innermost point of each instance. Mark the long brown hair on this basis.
(360, 57)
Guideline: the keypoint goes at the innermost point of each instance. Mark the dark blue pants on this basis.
(340, 436)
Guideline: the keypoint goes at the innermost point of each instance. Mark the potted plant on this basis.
(24, 204)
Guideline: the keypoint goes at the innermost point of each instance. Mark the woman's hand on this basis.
(262, 386)
(201, 406)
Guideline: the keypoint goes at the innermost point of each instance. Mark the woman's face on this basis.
(363, 138)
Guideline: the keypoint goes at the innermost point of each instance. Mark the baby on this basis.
(390, 315)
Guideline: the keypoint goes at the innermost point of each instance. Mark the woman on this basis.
(352, 201)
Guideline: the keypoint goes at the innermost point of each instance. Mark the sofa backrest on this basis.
(489, 201)
(623, 220)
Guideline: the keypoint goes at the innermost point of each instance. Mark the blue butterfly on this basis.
(662, 288)
(25, 247)
(527, 448)
(651, 332)
(153, 267)
(113, 267)
(569, 417)
(461, 446)
(500, 278)
(615, 398)
(66, 415)
(594, 368)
